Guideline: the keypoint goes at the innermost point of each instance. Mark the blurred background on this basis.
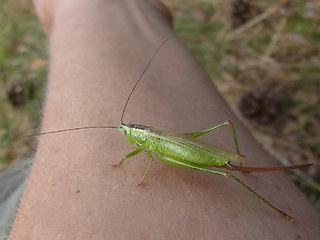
(263, 56)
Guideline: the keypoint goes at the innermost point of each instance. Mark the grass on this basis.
(263, 59)
(22, 78)
(268, 72)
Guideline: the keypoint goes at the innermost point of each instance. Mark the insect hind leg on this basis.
(292, 219)
(178, 163)
(230, 123)
(226, 123)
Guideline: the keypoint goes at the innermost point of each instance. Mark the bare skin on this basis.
(98, 49)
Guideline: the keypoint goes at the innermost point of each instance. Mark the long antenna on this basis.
(125, 106)
(145, 69)
(65, 130)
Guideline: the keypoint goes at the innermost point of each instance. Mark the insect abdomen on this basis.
(186, 149)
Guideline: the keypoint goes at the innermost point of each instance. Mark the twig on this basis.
(274, 40)
(256, 20)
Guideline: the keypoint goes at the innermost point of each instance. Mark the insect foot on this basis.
(141, 184)
(114, 165)
(229, 122)
(292, 219)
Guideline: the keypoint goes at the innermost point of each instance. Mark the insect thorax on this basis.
(136, 134)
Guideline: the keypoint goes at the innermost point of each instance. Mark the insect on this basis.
(184, 150)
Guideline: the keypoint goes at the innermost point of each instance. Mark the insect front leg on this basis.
(135, 152)
(149, 155)
(226, 123)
